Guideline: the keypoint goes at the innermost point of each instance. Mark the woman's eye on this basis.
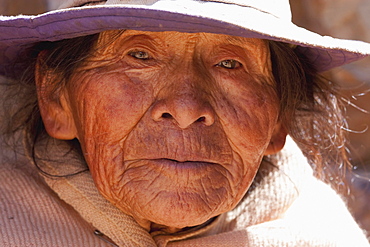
(139, 55)
(229, 64)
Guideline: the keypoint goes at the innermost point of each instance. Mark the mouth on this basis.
(183, 163)
(191, 170)
(172, 165)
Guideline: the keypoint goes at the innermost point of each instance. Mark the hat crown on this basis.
(277, 8)
(261, 19)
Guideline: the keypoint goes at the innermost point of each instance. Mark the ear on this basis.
(54, 106)
(277, 140)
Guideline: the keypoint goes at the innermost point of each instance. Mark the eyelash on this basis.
(143, 55)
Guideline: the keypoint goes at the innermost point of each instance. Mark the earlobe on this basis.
(277, 140)
(54, 106)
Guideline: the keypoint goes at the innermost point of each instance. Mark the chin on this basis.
(182, 218)
(186, 210)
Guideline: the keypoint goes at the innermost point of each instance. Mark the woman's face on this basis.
(173, 126)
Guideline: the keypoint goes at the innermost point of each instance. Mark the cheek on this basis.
(248, 120)
(108, 107)
(248, 113)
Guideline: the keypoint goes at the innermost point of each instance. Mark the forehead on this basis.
(179, 38)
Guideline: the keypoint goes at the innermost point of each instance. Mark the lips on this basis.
(175, 170)
(171, 163)
(183, 164)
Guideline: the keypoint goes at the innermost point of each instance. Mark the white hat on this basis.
(265, 19)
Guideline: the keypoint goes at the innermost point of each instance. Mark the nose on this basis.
(184, 106)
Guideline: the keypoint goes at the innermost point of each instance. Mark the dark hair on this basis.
(309, 106)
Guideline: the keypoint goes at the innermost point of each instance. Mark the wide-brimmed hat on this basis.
(265, 19)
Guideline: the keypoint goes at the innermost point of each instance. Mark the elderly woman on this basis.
(165, 123)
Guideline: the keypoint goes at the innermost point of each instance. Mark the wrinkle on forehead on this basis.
(110, 37)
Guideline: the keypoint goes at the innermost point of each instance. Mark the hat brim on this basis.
(19, 33)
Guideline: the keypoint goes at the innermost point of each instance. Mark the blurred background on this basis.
(348, 19)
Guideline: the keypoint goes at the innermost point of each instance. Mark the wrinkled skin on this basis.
(173, 126)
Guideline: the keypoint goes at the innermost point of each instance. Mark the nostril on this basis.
(201, 119)
(181, 115)
(166, 115)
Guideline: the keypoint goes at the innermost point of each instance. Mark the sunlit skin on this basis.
(173, 126)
